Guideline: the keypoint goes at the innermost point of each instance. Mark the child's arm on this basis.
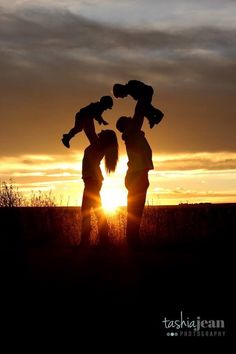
(100, 120)
(98, 115)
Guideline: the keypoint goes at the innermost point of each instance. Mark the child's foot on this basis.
(102, 121)
(151, 123)
(65, 141)
(156, 119)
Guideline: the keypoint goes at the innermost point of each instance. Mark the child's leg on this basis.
(78, 127)
(154, 115)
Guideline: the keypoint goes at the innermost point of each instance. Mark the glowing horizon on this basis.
(177, 178)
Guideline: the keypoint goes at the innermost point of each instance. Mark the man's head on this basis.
(106, 102)
(122, 123)
(120, 91)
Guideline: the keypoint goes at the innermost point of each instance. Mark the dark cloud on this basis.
(54, 61)
(57, 40)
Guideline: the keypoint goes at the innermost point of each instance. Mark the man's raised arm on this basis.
(138, 117)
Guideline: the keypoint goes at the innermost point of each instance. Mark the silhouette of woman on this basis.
(102, 145)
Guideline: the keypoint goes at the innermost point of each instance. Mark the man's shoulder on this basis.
(131, 133)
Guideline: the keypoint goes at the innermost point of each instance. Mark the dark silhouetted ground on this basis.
(64, 289)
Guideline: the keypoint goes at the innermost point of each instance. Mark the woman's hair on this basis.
(109, 143)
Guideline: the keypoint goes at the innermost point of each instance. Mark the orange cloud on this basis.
(193, 177)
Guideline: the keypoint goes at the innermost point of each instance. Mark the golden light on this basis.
(113, 195)
(177, 178)
(108, 205)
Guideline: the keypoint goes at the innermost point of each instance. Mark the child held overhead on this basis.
(93, 110)
(138, 90)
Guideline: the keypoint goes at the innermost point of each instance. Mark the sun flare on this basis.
(112, 199)
(109, 207)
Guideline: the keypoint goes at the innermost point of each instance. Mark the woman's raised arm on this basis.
(90, 132)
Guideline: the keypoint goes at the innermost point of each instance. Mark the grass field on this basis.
(185, 264)
(161, 225)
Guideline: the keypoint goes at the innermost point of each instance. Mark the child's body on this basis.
(137, 89)
(93, 110)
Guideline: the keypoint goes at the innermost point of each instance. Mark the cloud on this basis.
(176, 178)
(54, 60)
(220, 161)
(39, 42)
(183, 195)
(57, 165)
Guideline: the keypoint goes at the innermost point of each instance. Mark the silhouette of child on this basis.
(93, 110)
(139, 90)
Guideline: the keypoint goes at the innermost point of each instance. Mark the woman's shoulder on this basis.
(93, 149)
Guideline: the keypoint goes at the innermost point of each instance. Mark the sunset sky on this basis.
(58, 56)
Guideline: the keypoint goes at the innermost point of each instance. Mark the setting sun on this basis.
(113, 195)
(109, 206)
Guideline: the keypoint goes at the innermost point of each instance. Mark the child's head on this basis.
(106, 102)
(122, 123)
(120, 91)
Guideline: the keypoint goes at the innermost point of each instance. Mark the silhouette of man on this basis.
(139, 163)
(93, 110)
(138, 90)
